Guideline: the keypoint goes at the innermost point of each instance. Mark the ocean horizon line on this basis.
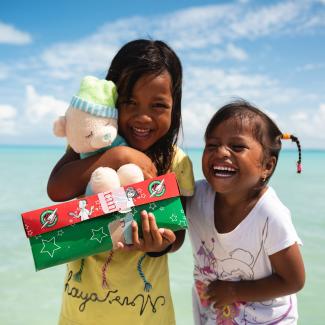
(186, 148)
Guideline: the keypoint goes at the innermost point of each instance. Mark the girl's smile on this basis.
(224, 170)
(146, 116)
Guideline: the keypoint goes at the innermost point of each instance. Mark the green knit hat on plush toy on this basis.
(96, 97)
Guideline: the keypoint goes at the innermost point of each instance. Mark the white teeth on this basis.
(143, 131)
(229, 169)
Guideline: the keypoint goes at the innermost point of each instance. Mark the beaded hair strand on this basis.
(288, 136)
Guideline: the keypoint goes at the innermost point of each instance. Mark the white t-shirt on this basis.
(241, 254)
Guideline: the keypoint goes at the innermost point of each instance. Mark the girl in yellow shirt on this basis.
(148, 75)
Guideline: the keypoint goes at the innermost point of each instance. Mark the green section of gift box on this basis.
(92, 236)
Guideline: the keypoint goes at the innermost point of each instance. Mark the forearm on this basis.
(264, 289)
(71, 175)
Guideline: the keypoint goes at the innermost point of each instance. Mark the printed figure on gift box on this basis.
(84, 213)
(121, 229)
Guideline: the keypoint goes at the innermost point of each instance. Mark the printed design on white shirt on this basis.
(238, 266)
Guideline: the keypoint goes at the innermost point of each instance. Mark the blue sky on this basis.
(268, 52)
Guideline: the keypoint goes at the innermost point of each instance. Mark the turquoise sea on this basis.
(29, 297)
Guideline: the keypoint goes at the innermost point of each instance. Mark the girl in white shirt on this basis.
(247, 262)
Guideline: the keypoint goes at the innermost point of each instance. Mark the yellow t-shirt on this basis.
(124, 299)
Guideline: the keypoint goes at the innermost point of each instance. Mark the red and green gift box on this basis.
(93, 224)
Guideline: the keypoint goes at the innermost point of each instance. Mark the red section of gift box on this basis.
(67, 213)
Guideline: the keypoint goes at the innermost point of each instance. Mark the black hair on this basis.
(263, 128)
(144, 57)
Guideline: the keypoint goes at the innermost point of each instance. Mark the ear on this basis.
(269, 166)
(59, 127)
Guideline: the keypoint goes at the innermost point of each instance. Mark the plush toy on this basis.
(90, 126)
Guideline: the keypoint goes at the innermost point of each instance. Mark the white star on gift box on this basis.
(152, 206)
(49, 246)
(98, 234)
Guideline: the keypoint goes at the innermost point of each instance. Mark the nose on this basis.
(222, 151)
(143, 114)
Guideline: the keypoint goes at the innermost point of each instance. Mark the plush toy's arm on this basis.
(71, 174)
(59, 127)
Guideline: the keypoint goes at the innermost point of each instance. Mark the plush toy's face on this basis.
(86, 132)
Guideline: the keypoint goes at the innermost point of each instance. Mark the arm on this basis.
(71, 174)
(288, 278)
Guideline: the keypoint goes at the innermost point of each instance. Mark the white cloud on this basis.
(7, 120)
(7, 112)
(201, 36)
(65, 61)
(207, 89)
(311, 67)
(210, 83)
(192, 32)
(42, 107)
(230, 52)
(199, 27)
(10, 35)
(92, 53)
(195, 118)
(4, 71)
(267, 20)
(196, 27)
(272, 115)
(236, 53)
(314, 21)
(310, 124)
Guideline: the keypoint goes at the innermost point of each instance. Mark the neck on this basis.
(230, 210)
(238, 199)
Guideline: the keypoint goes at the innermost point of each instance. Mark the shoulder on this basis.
(179, 156)
(202, 187)
(280, 228)
(272, 205)
(271, 208)
(200, 210)
(182, 166)
(203, 195)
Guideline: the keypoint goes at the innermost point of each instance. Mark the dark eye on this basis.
(211, 146)
(160, 105)
(238, 147)
(89, 135)
(130, 102)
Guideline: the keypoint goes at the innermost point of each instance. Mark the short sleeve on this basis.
(182, 167)
(281, 233)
